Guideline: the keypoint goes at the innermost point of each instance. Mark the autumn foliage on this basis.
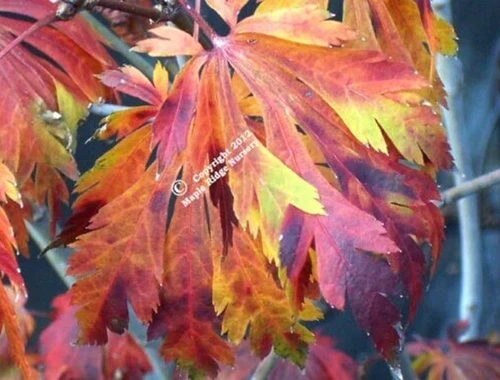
(292, 161)
(450, 359)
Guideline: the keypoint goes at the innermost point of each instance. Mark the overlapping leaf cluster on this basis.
(46, 84)
(11, 332)
(325, 137)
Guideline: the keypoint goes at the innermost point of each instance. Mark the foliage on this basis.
(37, 138)
(307, 148)
(451, 360)
(17, 325)
(122, 358)
(48, 95)
(323, 362)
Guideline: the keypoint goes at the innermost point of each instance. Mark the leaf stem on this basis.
(265, 366)
(32, 29)
(196, 17)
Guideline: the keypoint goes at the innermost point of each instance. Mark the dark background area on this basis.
(478, 27)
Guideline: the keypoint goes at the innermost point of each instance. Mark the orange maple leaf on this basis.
(14, 329)
(239, 124)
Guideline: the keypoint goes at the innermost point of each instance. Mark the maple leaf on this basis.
(255, 301)
(15, 327)
(186, 314)
(8, 245)
(318, 90)
(309, 84)
(123, 165)
(244, 122)
(49, 92)
(407, 31)
(449, 359)
(122, 357)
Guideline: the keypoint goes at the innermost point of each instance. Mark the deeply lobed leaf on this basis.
(327, 185)
(14, 331)
(47, 82)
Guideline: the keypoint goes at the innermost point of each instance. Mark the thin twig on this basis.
(470, 187)
(57, 257)
(406, 368)
(265, 366)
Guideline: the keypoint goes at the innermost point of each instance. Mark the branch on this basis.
(470, 187)
(471, 297)
(181, 14)
(153, 13)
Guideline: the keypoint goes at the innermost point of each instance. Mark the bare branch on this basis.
(471, 295)
(470, 187)
(178, 12)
